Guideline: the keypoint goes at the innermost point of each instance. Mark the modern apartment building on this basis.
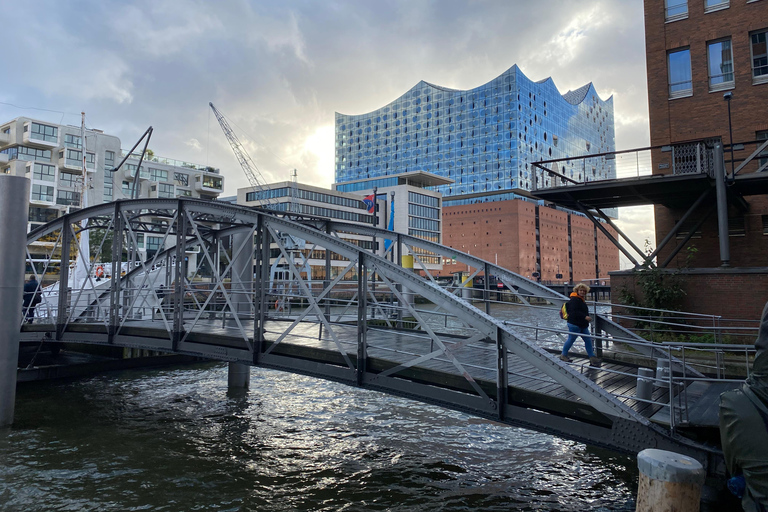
(708, 79)
(51, 156)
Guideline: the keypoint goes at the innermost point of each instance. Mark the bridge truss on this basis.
(407, 336)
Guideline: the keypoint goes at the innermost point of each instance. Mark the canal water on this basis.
(175, 440)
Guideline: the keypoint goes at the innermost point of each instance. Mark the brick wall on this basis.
(505, 232)
(730, 293)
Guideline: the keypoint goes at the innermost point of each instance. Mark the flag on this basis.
(370, 202)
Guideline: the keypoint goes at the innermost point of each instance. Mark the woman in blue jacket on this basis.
(578, 324)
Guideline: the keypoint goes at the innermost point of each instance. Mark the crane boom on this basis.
(255, 179)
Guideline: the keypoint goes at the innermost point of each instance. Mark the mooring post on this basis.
(241, 290)
(668, 482)
(14, 210)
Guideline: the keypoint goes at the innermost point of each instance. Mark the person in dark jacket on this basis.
(744, 430)
(578, 324)
(31, 299)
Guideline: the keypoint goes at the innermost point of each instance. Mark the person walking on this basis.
(578, 324)
(32, 297)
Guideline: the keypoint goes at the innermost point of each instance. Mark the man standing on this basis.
(32, 297)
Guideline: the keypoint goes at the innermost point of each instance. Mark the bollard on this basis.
(644, 389)
(14, 211)
(669, 482)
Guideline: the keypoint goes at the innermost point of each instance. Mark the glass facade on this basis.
(484, 139)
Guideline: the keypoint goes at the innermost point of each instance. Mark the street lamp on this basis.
(727, 97)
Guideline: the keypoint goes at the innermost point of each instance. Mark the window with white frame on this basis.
(716, 5)
(720, 64)
(675, 9)
(679, 73)
(759, 56)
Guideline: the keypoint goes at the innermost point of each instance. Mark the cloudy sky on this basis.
(279, 69)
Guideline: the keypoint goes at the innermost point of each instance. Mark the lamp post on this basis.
(727, 97)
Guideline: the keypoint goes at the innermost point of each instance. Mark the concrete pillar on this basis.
(668, 482)
(239, 375)
(14, 210)
(242, 297)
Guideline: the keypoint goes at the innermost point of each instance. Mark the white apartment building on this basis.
(51, 156)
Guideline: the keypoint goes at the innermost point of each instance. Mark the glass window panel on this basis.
(680, 73)
(720, 63)
(759, 54)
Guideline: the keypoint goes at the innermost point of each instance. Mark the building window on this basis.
(158, 174)
(680, 83)
(69, 180)
(68, 198)
(153, 244)
(181, 178)
(720, 65)
(759, 57)
(676, 9)
(44, 172)
(72, 141)
(165, 190)
(28, 154)
(44, 132)
(212, 182)
(715, 5)
(109, 159)
(41, 214)
(42, 193)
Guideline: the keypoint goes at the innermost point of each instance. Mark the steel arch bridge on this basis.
(365, 320)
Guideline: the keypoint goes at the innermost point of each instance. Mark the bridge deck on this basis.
(388, 348)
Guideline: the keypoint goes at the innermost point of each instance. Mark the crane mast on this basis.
(255, 179)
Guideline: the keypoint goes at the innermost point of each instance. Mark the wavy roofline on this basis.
(574, 97)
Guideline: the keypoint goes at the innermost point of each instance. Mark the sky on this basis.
(280, 69)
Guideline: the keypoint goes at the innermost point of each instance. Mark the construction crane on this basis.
(252, 172)
(294, 245)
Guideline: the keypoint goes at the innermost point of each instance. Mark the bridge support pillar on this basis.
(14, 204)
(242, 299)
(668, 481)
(239, 375)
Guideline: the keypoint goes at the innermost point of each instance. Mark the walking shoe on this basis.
(565, 358)
(595, 361)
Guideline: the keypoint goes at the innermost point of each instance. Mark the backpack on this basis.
(563, 313)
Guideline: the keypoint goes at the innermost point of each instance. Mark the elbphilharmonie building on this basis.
(483, 139)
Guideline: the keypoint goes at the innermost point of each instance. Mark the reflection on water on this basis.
(174, 439)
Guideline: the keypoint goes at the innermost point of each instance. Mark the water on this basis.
(174, 439)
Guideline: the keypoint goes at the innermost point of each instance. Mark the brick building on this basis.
(697, 51)
(704, 58)
(525, 237)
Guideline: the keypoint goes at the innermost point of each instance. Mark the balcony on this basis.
(3, 158)
(40, 140)
(5, 139)
(209, 183)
